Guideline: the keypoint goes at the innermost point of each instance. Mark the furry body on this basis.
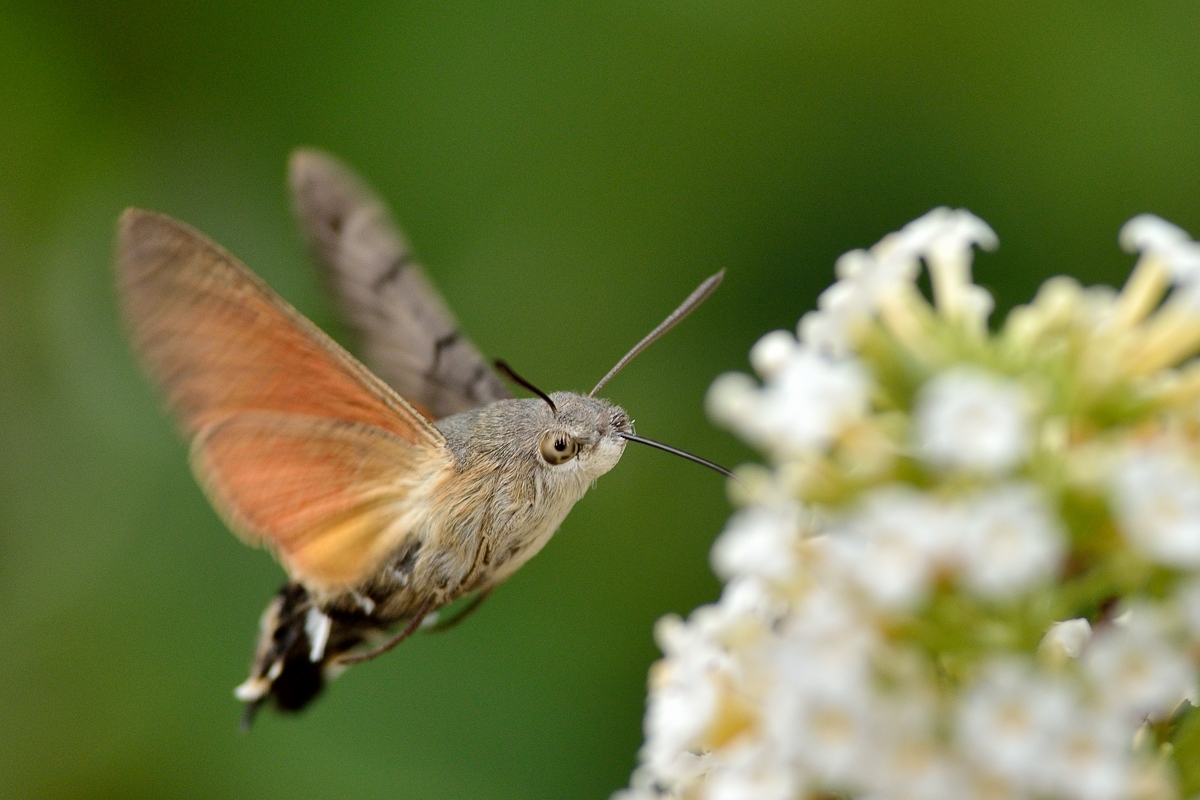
(385, 491)
(496, 506)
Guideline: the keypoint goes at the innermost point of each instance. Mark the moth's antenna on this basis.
(681, 453)
(517, 379)
(686, 307)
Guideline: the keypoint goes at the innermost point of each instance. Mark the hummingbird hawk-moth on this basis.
(385, 494)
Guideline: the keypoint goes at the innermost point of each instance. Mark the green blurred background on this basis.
(567, 172)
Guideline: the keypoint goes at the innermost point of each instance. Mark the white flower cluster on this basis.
(972, 568)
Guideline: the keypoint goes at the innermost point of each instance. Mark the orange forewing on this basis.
(332, 498)
(221, 342)
(297, 443)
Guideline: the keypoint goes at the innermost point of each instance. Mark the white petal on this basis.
(771, 352)
(1067, 637)
(760, 540)
(1009, 720)
(970, 419)
(1156, 492)
(1137, 669)
(1011, 540)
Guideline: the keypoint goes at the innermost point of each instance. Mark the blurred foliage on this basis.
(567, 171)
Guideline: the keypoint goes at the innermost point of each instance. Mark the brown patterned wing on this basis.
(298, 445)
(407, 333)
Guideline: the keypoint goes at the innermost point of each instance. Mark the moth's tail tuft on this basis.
(292, 660)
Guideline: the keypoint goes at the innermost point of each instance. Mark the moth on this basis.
(385, 493)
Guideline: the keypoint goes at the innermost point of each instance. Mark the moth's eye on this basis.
(558, 447)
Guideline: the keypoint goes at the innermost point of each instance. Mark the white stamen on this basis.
(1066, 639)
(1153, 235)
(1150, 232)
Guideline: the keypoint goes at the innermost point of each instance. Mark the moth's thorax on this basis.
(496, 504)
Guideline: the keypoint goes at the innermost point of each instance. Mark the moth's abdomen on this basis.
(297, 651)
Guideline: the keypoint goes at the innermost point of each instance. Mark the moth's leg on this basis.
(469, 609)
(249, 713)
(409, 629)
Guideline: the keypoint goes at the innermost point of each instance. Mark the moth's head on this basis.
(582, 436)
